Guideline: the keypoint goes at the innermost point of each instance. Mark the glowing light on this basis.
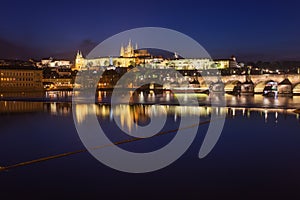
(141, 97)
(248, 113)
(168, 96)
(266, 115)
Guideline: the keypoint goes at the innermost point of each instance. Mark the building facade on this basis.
(188, 63)
(50, 62)
(130, 56)
(225, 63)
(20, 79)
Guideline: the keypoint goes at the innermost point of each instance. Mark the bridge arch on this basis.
(259, 87)
(204, 85)
(296, 89)
(230, 85)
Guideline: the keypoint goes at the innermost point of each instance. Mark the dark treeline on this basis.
(281, 65)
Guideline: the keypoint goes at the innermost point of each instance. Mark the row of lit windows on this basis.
(17, 73)
(16, 79)
(16, 84)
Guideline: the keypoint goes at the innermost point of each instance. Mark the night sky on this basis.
(250, 30)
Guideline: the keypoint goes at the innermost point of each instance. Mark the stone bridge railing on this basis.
(294, 78)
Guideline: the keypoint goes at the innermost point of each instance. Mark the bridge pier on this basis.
(287, 83)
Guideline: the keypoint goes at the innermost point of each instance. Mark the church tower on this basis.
(122, 51)
(129, 51)
(79, 61)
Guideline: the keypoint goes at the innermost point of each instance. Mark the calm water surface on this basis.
(257, 156)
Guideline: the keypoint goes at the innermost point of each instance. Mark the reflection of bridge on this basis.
(260, 81)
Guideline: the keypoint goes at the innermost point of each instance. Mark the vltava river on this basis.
(257, 155)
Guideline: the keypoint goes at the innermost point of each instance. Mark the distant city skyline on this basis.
(250, 30)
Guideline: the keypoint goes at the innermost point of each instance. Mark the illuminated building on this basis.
(129, 56)
(82, 63)
(188, 63)
(132, 56)
(79, 61)
(225, 63)
(50, 62)
(128, 51)
(20, 79)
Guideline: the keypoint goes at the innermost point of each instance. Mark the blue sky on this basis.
(251, 30)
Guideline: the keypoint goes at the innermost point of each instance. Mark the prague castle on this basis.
(131, 56)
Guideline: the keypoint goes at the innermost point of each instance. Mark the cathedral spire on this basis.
(79, 60)
(122, 51)
(175, 55)
(129, 43)
(78, 55)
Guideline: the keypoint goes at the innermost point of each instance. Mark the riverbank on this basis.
(256, 101)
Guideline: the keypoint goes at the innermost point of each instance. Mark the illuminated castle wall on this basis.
(126, 59)
(130, 56)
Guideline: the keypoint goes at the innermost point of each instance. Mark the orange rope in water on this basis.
(4, 168)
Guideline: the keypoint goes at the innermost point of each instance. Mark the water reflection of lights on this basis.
(233, 112)
(233, 100)
(266, 115)
(248, 113)
(131, 115)
(243, 99)
(84, 110)
(53, 109)
(99, 96)
(266, 101)
(260, 98)
(20, 106)
(59, 94)
(204, 99)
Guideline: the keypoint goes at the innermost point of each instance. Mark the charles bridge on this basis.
(259, 81)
